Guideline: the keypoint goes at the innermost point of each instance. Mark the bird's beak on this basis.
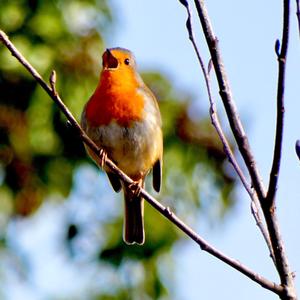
(109, 61)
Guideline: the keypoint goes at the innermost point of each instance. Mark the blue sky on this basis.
(155, 32)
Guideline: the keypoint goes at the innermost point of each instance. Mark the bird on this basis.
(123, 118)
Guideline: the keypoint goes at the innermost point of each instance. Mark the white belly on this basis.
(134, 149)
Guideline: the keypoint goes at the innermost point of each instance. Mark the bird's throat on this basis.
(115, 99)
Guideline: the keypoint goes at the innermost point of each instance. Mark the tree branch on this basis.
(297, 148)
(269, 203)
(229, 104)
(298, 14)
(152, 201)
(255, 205)
(244, 147)
(281, 57)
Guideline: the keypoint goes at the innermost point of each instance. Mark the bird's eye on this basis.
(126, 61)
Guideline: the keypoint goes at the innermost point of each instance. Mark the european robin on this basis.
(122, 117)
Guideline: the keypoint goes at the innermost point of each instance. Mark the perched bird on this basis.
(122, 117)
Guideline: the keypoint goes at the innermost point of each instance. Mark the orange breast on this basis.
(116, 98)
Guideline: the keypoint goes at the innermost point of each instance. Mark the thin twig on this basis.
(52, 81)
(205, 246)
(255, 205)
(269, 203)
(281, 57)
(298, 15)
(229, 104)
(297, 148)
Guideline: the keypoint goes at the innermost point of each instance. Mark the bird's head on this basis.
(118, 59)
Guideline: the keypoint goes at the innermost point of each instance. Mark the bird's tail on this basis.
(133, 218)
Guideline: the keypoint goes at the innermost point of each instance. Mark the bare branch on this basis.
(297, 148)
(268, 205)
(213, 110)
(243, 144)
(52, 81)
(152, 201)
(225, 93)
(281, 57)
(298, 14)
(255, 205)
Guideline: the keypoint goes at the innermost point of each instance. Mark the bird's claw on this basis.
(103, 157)
(135, 188)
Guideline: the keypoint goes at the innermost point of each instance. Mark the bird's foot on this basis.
(135, 188)
(102, 157)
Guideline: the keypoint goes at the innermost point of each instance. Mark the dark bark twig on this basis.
(205, 246)
(269, 206)
(255, 205)
(229, 104)
(281, 261)
(298, 14)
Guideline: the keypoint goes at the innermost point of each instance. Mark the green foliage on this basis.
(39, 153)
(36, 161)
